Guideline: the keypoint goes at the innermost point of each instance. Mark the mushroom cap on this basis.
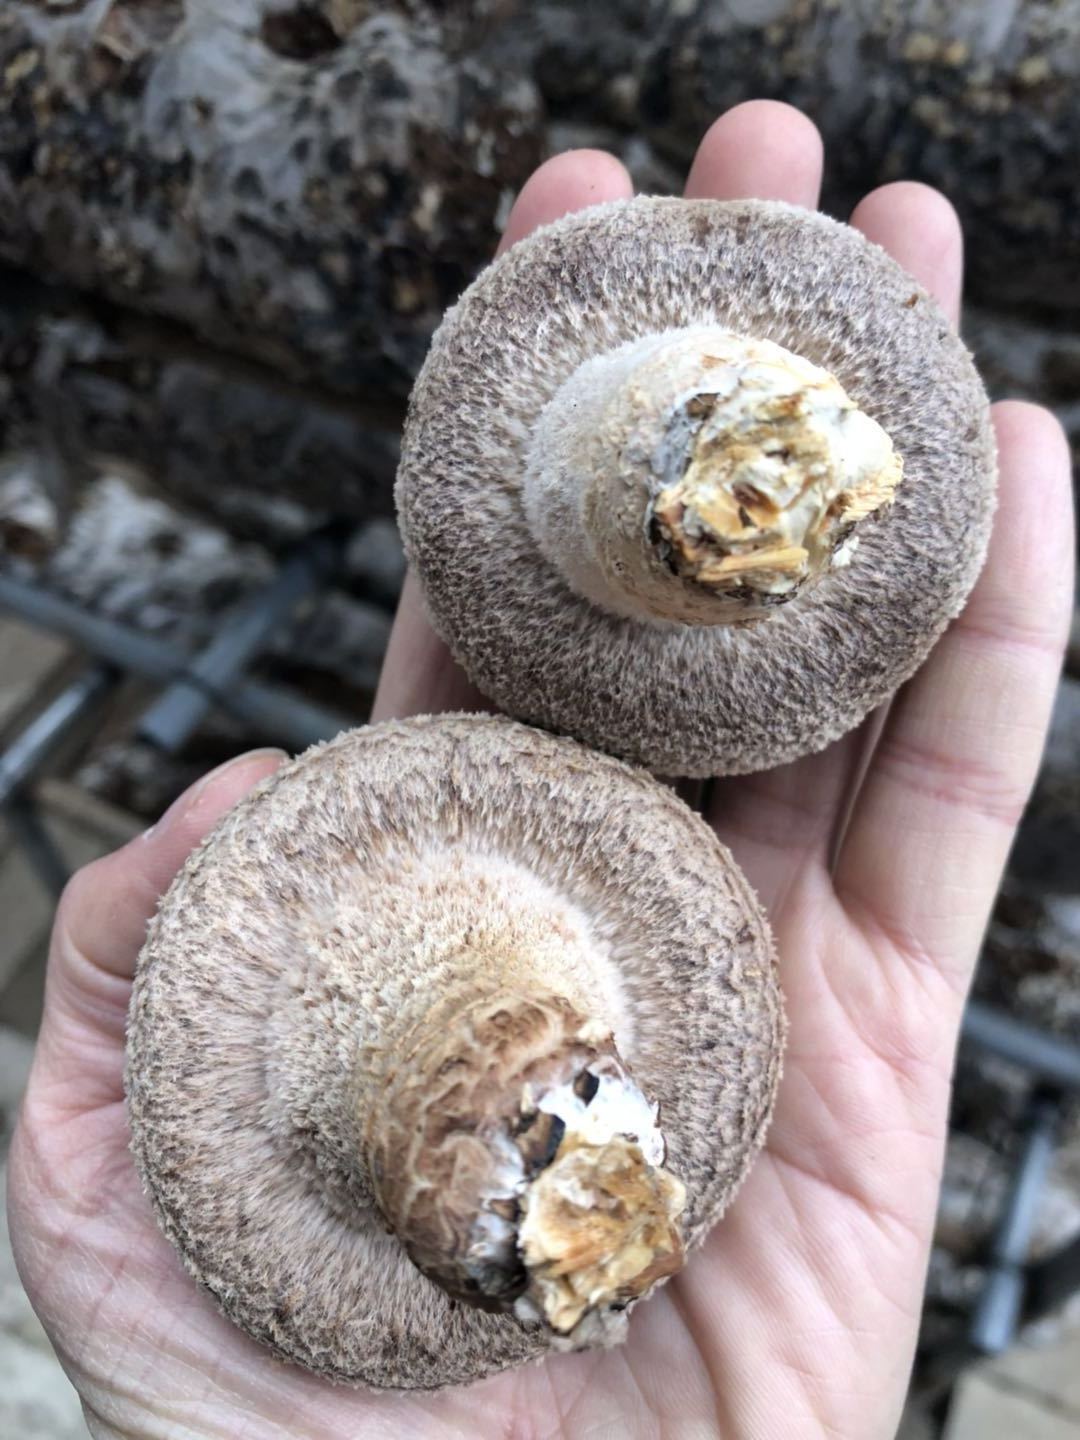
(689, 699)
(315, 909)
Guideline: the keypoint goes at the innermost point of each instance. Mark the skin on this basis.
(878, 861)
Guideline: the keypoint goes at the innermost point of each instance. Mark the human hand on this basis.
(798, 1316)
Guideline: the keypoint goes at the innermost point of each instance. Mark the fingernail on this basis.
(190, 796)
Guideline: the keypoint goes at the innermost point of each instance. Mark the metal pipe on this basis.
(997, 1312)
(282, 715)
(118, 644)
(174, 717)
(1053, 1280)
(28, 750)
(277, 713)
(25, 755)
(33, 839)
(1049, 1059)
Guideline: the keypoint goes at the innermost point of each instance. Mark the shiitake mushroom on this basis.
(446, 1046)
(697, 482)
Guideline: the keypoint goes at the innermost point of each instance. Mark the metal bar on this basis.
(276, 712)
(121, 646)
(29, 749)
(26, 754)
(33, 839)
(173, 718)
(1050, 1060)
(1053, 1280)
(283, 716)
(997, 1312)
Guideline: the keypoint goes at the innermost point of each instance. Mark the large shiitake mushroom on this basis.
(446, 1046)
(698, 482)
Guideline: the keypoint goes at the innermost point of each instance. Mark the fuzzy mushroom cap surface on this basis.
(353, 894)
(502, 569)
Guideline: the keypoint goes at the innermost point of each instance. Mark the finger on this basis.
(419, 675)
(566, 182)
(762, 150)
(928, 838)
(101, 925)
(920, 229)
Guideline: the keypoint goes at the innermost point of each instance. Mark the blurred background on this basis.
(227, 232)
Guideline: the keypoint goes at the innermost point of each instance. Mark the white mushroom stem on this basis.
(702, 476)
(520, 1164)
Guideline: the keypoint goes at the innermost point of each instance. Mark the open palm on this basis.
(877, 861)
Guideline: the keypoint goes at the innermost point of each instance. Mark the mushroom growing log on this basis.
(93, 384)
(981, 100)
(305, 184)
(446, 1047)
(309, 183)
(697, 482)
(312, 180)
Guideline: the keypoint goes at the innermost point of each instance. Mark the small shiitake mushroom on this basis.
(446, 1046)
(697, 482)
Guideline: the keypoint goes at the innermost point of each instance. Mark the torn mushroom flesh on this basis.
(523, 1168)
(780, 465)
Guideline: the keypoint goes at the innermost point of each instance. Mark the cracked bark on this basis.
(307, 184)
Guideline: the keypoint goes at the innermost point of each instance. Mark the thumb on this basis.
(99, 930)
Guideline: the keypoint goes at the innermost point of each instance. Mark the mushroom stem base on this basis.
(522, 1167)
(701, 476)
